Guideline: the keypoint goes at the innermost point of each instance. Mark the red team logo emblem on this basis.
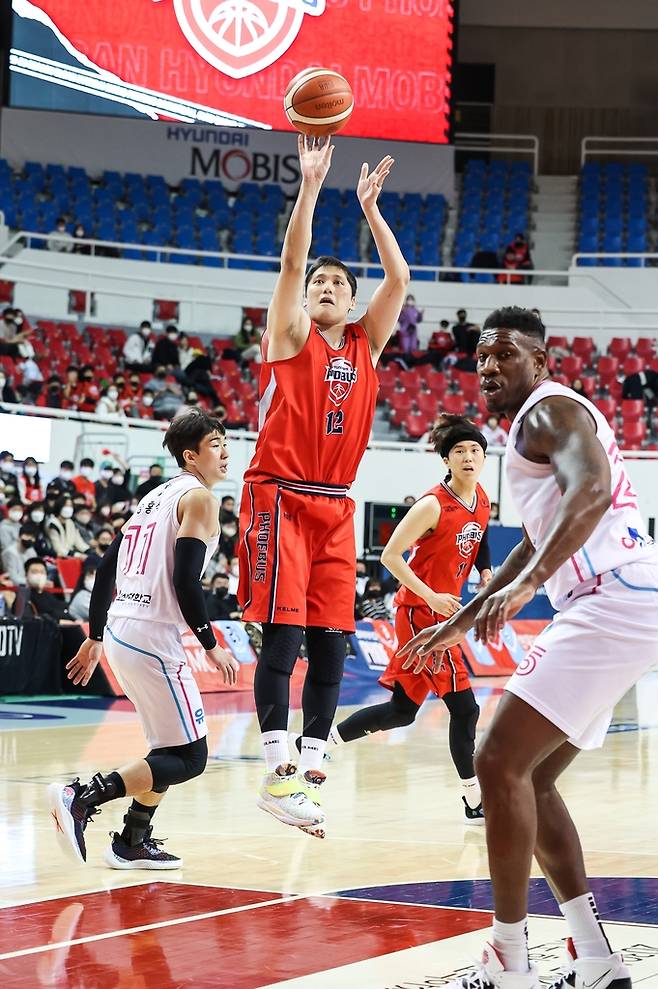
(468, 538)
(240, 37)
(341, 376)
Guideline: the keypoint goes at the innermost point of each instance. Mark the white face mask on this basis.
(66, 475)
(3, 382)
(147, 400)
(113, 394)
(89, 583)
(30, 471)
(67, 512)
(86, 471)
(37, 580)
(106, 474)
(37, 516)
(15, 514)
(118, 479)
(8, 466)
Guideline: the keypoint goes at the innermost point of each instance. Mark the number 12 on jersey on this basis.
(334, 422)
(139, 539)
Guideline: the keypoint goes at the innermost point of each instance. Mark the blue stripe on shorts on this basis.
(633, 587)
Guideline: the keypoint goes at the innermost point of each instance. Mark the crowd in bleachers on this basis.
(615, 212)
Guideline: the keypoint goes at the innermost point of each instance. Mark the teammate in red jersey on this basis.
(297, 549)
(447, 529)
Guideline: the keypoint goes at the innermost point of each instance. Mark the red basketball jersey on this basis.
(444, 558)
(316, 411)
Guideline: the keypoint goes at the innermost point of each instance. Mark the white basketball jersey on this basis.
(145, 565)
(619, 538)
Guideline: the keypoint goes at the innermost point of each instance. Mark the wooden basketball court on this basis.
(396, 897)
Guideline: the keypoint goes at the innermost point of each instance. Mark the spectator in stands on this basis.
(228, 536)
(494, 517)
(7, 393)
(15, 557)
(409, 500)
(138, 348)
(166, 349)
(10, 526)
(233, 574)
(11, 334)
(113, 485)
(79, 234)
(154, 480)
(32, 377)
(79, 605)
(53, 398)
(578, 386)
(8, 471)
(73, 392)
(408, 320)
(221, 605)
(439, 344)
(159, 380)
(168, 400)
(90, 389)
(493, 432)
(84, 523)
(62, 530)
(104, 540)
(465, 334)
(36, 514)
(227, 509)
(60, 239)
(373, 604)
(361, 578)
(517, 257)
(83, 482)
(108, 404)
(197, 373)
(247, 341)
(64, 480)
(643, 384)
(30, 487)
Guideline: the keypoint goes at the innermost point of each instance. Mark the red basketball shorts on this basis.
(452, 676)
(297, 555)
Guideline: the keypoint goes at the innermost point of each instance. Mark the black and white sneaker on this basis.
(71, 817)
(592, 973)
(473, 815)
(147, 855)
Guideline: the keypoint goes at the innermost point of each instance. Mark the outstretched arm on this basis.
(288, 324)
(384, 309)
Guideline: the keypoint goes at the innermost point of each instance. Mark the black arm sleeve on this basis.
(483, 559)
(101, 595)
(189, 555)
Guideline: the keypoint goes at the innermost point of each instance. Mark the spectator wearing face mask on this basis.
(221, 605)
(79, 605)
(10, 526)
(138, 348)
(30, 487)
(166, 349)
(83, 520)
(408, 320)
(36, 514)
(60, 239)
(108, 404)
(228, 536)
(84, 483)
(233, 575)
(168, 401)
(52, 398)
(90, 390)
(247, 341)
(15, 557)
(104, 540)
(154, 480)
(63, 483)
(62, 531)
(373, 604)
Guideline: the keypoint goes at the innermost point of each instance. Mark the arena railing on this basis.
(504, 144)
(617, 147)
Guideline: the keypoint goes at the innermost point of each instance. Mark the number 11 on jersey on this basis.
(138, 537)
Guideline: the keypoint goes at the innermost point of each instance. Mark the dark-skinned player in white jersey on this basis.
(585, 540)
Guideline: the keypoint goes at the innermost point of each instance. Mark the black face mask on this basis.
(221, 592)
(27, 543)
(103, 546)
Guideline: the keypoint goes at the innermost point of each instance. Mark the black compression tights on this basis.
(400, 710)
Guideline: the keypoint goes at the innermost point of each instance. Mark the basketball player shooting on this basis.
(584, 539)
(297, 550)
(156, 563)
(446, 533)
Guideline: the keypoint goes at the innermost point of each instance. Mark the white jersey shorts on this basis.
(593, 652)
(149, 662)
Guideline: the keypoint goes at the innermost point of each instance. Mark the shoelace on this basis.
(153, 843)
(563, 974)
(476, 979)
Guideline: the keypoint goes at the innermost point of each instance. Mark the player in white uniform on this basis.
(584, 539)
(156, 563)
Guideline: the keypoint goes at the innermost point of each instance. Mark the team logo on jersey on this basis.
(240, 37)
(341, 375)
(469, 538)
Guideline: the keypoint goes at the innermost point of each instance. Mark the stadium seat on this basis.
(632, 409)
(633, 434)
(607, 407)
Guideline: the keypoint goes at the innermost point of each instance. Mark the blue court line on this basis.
(153, 656)
(588, 561)
(633, 587)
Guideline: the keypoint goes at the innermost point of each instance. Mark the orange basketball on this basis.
(318, 102)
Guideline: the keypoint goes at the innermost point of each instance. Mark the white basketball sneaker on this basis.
(287, 796)
(592, 973)
(492, 975)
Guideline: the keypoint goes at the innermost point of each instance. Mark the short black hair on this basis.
(144, 323)
(34, 561)
(29, 529)
(516, 318)
(67, 464)
(226, 498)
(449, 430)
(327, 261)
(87, 462)
(188, 429)
(61, 501)
(153, 466)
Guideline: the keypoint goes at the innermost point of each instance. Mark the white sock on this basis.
(511, 943)
(334, 736)
(275, 749)
(585, 928)
(312, 754)
(472, 792)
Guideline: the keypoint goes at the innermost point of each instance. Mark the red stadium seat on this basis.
(415, 425)
(427, 403)
(607, 407)
(607, 370)
(436, 382)
(646, 347)
(634, 364)
(6, 291)
(453, 404)
(583, 347)
(441, 340)
(165, 309)
(632, 409)
(589, 385)
(411, 380)
(633, 433)
(69, 570)
(571, 366)
(386, 391)
(620, 347)
(401, 404)
(77, 301)
(220, 344)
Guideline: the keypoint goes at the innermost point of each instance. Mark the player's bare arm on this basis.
(561, 432)
(422, 518)
(383, 311)
(198, 514)
(288, 324)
